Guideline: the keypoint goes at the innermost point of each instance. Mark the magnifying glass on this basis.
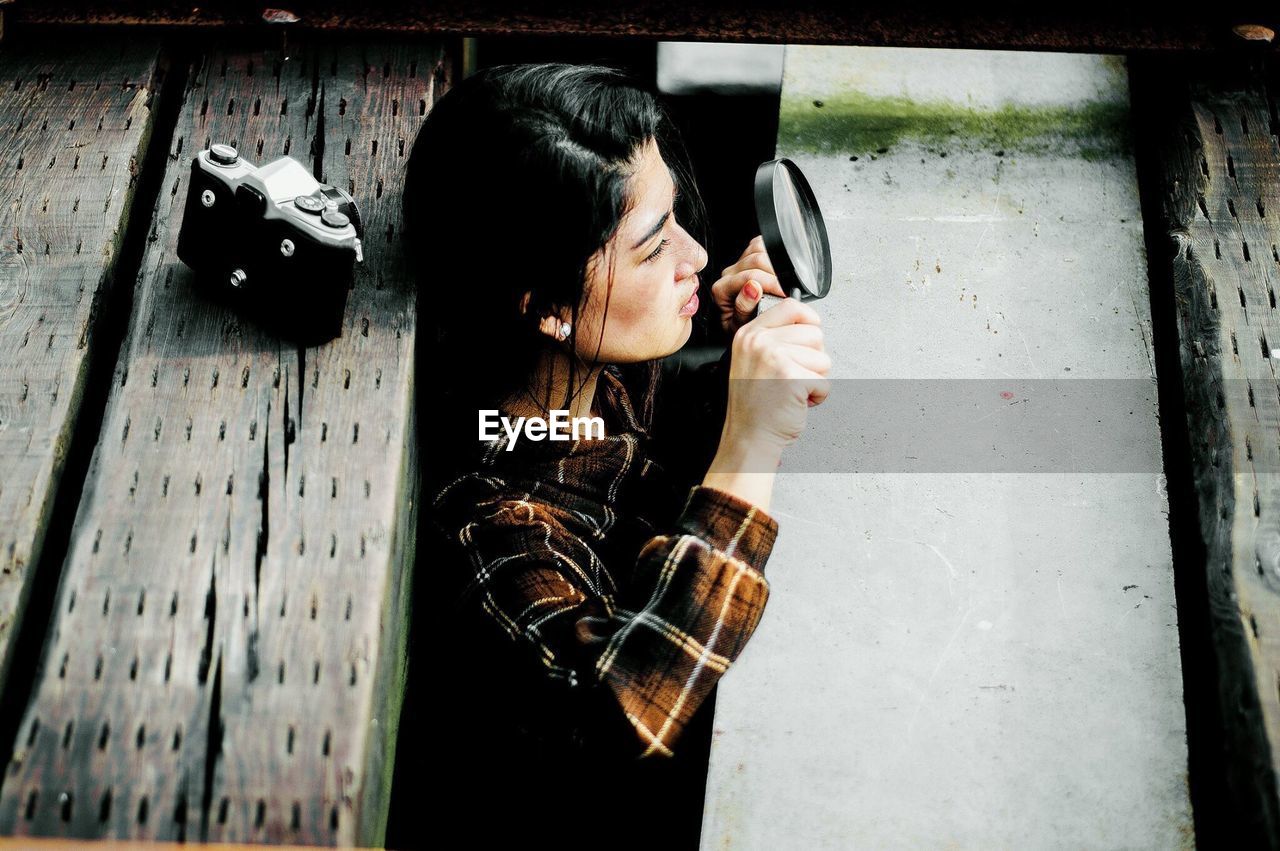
(795, 235)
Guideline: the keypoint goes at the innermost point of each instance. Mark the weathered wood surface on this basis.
(972, 659)
(1221, 202)
(226, 658)
(74, 125)
(973, 25)
(33, 843)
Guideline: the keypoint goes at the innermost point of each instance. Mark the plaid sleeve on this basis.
(662, 642)
(699, 594)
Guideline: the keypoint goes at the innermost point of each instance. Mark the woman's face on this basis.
(655, 275)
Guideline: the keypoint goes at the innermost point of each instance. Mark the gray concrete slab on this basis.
(976, 659)
(724, 68)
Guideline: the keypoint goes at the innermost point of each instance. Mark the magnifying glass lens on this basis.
(797, 229)
(794, 233)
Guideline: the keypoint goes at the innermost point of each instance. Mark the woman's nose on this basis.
(694, 258)
(701, 261)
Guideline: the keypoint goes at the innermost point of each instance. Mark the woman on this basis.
(592, 594)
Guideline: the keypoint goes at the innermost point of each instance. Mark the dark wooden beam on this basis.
(992, 26)
(1212, 130)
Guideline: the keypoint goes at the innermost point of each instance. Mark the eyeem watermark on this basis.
(560, 427)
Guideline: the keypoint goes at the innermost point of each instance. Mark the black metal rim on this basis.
(767, 219)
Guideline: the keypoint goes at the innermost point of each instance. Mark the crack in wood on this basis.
(212, 753)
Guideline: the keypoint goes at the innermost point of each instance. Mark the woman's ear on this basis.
(551, 325)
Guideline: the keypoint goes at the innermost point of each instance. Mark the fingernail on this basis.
(753, 292)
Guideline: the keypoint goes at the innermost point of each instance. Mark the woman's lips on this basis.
(690, 306)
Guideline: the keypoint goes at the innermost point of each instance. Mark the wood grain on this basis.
(1221, 171)
(226, 659)
(1074, 28)
(74, 125)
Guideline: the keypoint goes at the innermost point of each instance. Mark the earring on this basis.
(563, 333)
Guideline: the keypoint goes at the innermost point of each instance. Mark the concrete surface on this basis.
(730, 68)
(980, 659)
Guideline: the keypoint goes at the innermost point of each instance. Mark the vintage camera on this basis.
(271, 240)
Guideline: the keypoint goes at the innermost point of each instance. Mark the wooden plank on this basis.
(1220, 173)
(74, 125)
(969, 656)
(30, 843)
(226, 659)
(874, 22)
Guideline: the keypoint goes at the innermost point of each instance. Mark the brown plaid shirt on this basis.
(607, 595)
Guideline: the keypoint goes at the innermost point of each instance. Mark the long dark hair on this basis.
(516, 178)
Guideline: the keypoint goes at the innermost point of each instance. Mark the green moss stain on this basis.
(857, 123)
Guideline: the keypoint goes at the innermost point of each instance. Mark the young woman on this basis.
(585, 595)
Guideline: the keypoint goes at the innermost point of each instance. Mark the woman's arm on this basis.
(649, 653)
(694, 442)
(690, 411)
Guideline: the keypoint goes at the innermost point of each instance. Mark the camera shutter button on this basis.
(224, 154)
(334, 218)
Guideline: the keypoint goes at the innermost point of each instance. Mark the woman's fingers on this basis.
(739, 288)
(750, 260)
(800, 335)
(728, 288)
(739, 296)
(767, 279)
(782, 368)
(820, 391)
(745, 304)
(811, 382)
(812, 360)
(789, 311)
(755, 256)
(744, 291)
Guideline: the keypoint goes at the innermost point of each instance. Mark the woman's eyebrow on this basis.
(653, 231)
(662, 221)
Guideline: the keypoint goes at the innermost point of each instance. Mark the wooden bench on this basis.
(225, 659)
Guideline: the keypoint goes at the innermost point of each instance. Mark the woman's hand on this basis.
(738, 290)
(778, 370)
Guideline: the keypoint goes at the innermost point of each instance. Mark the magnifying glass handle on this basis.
(767, 300)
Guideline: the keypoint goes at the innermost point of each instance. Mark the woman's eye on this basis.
(657, 251)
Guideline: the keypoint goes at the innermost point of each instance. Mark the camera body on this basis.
(271, 239)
